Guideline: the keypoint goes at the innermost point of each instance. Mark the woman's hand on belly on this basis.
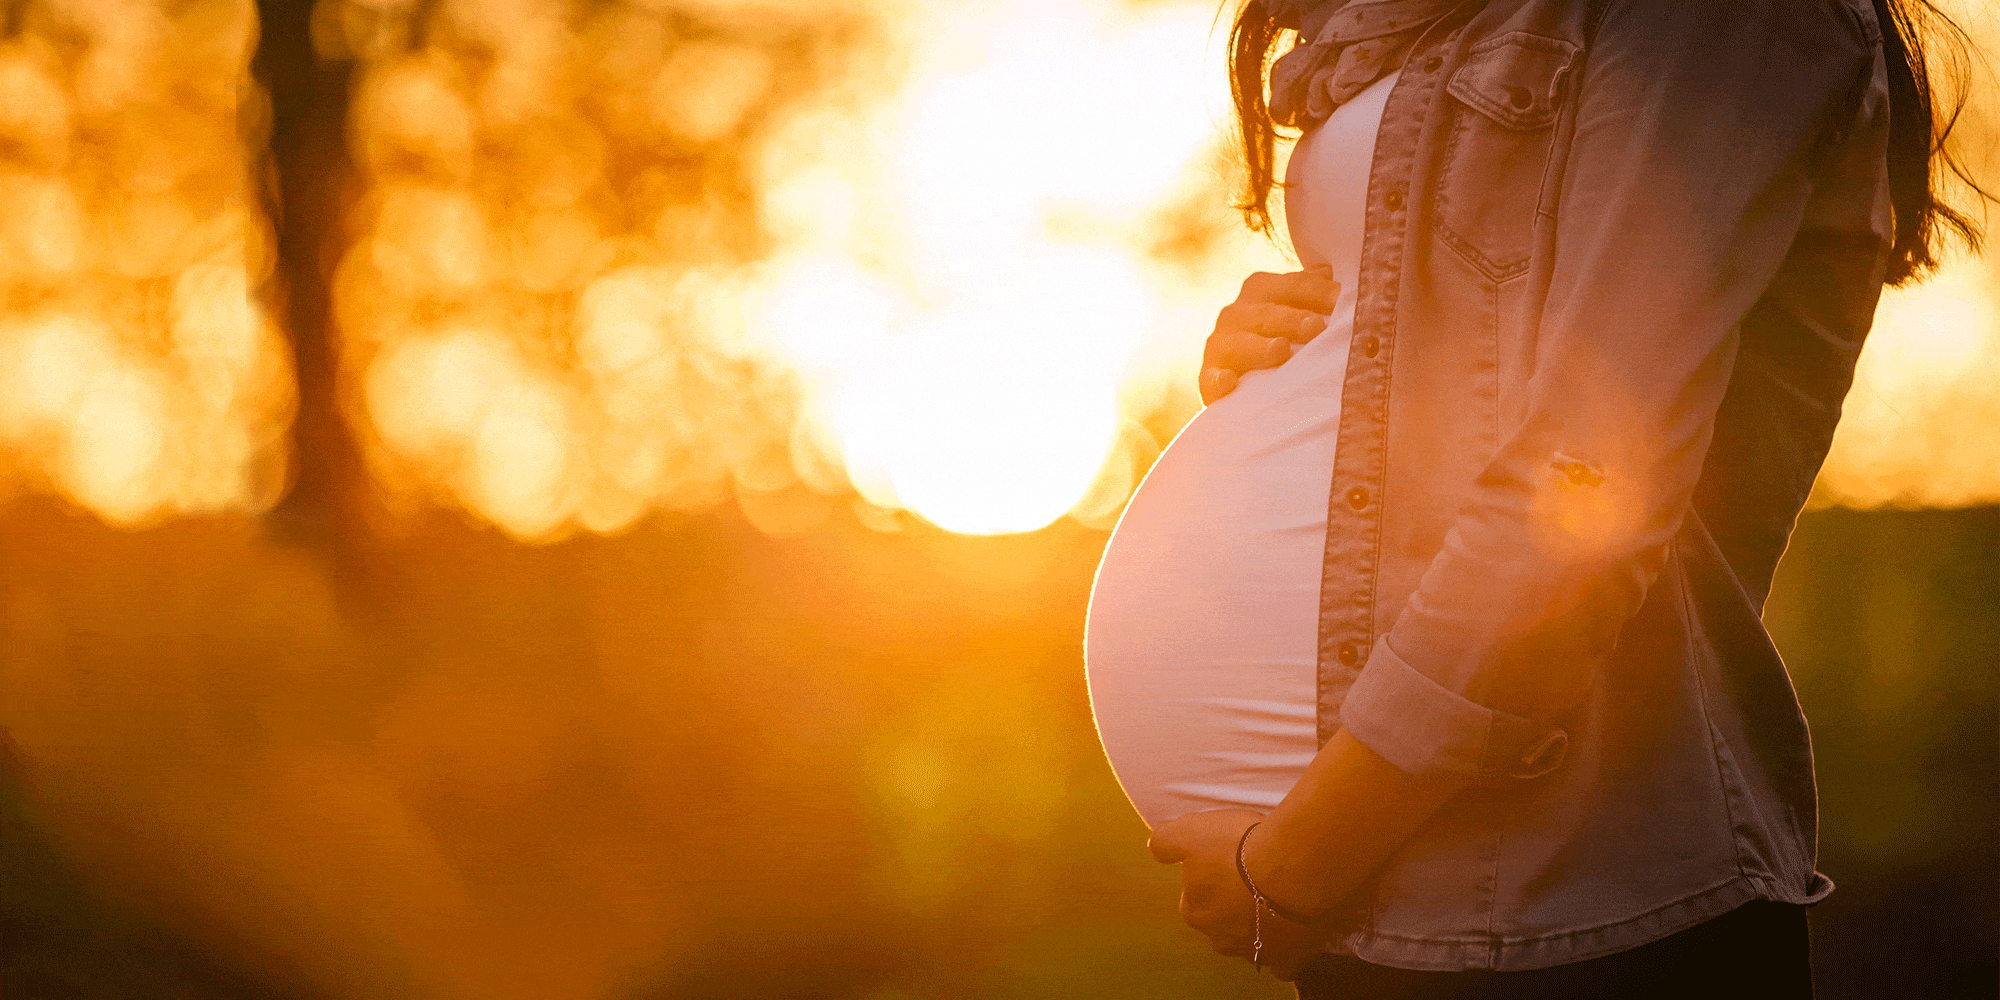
(1271, 314)
(1214, 899)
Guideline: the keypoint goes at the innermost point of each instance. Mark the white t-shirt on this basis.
(1201, 637)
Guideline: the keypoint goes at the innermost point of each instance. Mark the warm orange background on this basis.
(623, 527)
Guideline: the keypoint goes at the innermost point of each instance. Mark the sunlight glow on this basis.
(1921, 427)
(942, 295)
(952, 261)
(138, 376)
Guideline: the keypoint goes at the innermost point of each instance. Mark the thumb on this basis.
(1166, 847)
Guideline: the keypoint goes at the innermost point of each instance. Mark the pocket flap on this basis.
(1515, 79)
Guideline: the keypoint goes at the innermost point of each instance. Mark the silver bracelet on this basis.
(1257, 894)
(1256, 904)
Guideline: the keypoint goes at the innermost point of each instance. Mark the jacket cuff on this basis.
(1427, 730)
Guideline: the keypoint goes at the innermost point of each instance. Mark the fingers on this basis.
(1166, 848)
(1260, 329)
(1249, 337)
(1202, 916)
(1245, 351)
(1313, 289)
(1216, 383)
(1269, 319)
(1228, 355)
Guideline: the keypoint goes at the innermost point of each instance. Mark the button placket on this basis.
(1347, 629)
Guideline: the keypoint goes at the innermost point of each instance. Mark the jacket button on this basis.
(1431, 65)
(1520, 97)
(1371, 347)
(1357, 498)
(1349, 653)
(1394, 200)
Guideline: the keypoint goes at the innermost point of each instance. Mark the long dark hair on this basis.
(1913, 33)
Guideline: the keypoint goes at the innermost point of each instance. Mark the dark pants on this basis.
(1758, 951)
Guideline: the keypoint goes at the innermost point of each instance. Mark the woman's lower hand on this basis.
(1272, 314)
(1214, 899)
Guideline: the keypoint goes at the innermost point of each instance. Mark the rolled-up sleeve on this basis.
(1687, 178)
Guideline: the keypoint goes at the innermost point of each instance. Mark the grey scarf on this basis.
(1343, 47)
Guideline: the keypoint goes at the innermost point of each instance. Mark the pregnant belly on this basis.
(1200, 640)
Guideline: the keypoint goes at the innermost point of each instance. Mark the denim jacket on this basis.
(1620, 256)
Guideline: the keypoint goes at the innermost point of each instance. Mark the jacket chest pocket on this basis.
(1490, 179)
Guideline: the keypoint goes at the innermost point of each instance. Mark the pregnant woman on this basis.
(1431, 650)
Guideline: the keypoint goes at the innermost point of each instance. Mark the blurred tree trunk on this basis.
(305, 171)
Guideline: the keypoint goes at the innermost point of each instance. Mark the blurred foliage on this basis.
(699, 761)
(1886, 621)
(138, 377)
